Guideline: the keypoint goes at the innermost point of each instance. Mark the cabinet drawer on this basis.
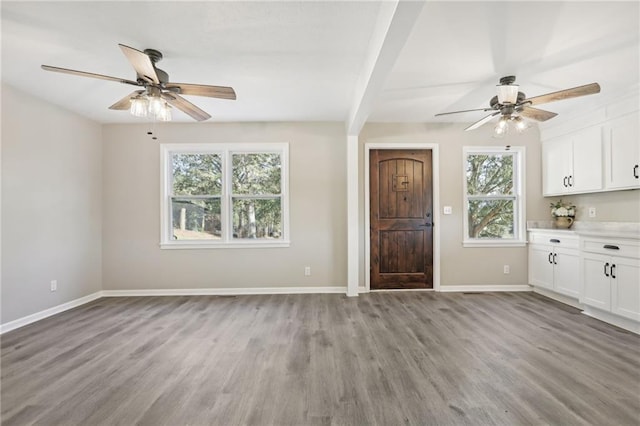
(557, 240)
(612, 247)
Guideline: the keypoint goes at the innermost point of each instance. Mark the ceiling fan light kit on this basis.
(502, 127)
(149, 104)
(159, 95)
(512, 105)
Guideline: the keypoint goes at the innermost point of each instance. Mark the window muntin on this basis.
(493, 196)
(222, 195)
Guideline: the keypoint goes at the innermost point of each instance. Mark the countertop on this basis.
(629, 230)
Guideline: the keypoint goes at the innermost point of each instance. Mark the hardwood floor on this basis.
(380, 358)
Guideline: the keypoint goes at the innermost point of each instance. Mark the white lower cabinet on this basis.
(611, 276)
(599, 275)
(554, 262)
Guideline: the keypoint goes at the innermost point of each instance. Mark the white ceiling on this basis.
(307, 61)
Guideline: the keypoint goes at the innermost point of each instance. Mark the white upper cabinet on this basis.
(587, 160)
(572, 163)
(557, 157)
(594, 151)
(622, 152)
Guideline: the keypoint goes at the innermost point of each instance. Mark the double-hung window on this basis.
(224, 195)
(494, 196)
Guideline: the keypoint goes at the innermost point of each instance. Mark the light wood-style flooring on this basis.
(378, 359)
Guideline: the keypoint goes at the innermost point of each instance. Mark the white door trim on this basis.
(435, 170)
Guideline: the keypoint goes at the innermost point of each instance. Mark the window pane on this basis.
(254, 218)
(489, 174)
(196, 219)
(256, 174)
(197, 174)
(491, 219)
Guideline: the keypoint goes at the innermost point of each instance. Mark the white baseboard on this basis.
(223, 291)
(21, 322)
(483, 288)
(559, 297)
(458, 289)
(618, 321)
(400, 290)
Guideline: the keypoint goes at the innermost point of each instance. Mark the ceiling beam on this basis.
(395, 22)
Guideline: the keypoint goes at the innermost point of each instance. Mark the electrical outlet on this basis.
(54, 285)
(592, 212)
(506, 269)
(307, 271)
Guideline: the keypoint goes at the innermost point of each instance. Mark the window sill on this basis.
(187, 245)
(494, 243)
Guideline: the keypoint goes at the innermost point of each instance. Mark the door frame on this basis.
(435, 170)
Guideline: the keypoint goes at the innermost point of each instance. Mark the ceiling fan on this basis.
(512, 105)
(156, 90)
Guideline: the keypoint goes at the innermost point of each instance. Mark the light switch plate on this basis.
(447, 210)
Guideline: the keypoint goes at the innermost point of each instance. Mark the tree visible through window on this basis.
(221, 193)
(492, 194)
(257, 211)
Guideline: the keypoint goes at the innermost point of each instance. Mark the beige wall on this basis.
(51, 205)
(617, 206)
(459, 265)
(132, 258)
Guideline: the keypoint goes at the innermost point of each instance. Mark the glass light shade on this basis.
(139, 106)
(501, 128)
(156, 104)
(507, 94)
(521, 124)
(164, 114)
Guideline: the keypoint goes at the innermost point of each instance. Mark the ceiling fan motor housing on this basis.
(495, 104)
(156, 56)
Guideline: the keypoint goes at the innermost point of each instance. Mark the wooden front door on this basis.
(401, 217)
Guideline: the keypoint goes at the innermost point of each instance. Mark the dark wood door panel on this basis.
(401, 219)
(399, 182)
(404, 250)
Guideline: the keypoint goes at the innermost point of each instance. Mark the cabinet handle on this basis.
(611, 247)
(564, 182)
(554, 258)
(613, 271)
(549, 258)
(635, 172)
(570, 180)
(606, 270)
(554, 240)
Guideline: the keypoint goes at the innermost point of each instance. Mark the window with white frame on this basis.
(494, 196)
(224, 195)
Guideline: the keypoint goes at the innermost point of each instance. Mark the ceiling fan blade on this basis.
(88, 74)
(141, 63)
(221, 92)
(185, 106)
(482, 121)
(466, 110)
(536, 114)
(125, 103)
(587, 89)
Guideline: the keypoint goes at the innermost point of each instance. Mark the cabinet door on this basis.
(556, 165)
(566, 270)
(625, 288)
(623, 153)
(596, 289)
(587, 160)
(540, 266)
